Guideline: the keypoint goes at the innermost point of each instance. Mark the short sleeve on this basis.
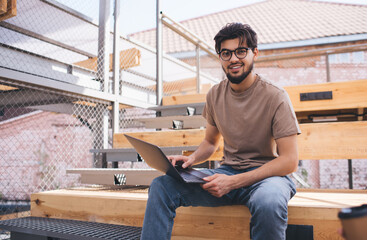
(207, 112)
(285, 122)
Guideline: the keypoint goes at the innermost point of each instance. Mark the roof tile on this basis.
(274, 21)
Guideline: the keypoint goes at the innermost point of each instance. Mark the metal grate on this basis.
(70, 229)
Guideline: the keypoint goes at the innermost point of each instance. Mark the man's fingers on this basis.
(172, 159)
(210, 178)
(186, 164)
(210, 184)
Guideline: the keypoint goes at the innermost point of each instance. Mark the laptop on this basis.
(156, 159)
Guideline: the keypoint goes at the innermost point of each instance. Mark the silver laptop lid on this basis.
(154, 156)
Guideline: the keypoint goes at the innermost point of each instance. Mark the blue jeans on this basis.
(267, 201)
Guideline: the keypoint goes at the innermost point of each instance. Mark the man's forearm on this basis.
(283, 165)
(204, 151)
(280, 166)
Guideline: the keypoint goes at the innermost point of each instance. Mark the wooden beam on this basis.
(360, 112)
(346, 95)
(182, 86)
(184, 99)
(191, 137)
(339, 140)
(127, 206)
(3, 6)
(7, 88)
(11, 9)
(15, 215)
(128, 58)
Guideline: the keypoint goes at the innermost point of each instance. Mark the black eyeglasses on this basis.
(240, 53)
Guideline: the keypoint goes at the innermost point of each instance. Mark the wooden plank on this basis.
(7, 88)
(184, 99)
(346, 95)
(128, 58)
(107, 207)
(182, 86)
(360, 112)
(11, 10)
(338, 140)
(3, 6)
(350, 94)
(230, 222)
(191, 137)
(15, 215)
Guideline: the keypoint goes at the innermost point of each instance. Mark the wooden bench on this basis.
(126, 206)
(312, 207)
(344, 139)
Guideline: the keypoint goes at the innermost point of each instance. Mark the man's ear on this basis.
(256, 53)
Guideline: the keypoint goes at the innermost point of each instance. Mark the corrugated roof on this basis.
(275, 21)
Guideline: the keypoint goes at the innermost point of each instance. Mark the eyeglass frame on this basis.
(234, 51)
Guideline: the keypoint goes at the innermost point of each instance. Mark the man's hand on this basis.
(187, 160)
(218, 184)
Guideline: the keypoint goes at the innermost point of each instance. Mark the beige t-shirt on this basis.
(250, 121)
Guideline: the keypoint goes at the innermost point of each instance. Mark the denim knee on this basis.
(160, 184)
(270, 200)
(270, 205)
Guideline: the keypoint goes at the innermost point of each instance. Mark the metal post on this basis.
(103, 43)
(100, 127)
(327, 67)
(198, 84)
(116, 68)
(159, 88)
(350, 173)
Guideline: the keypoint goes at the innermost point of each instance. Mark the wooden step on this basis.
(347, 98)
(338, 140)
(127, 206)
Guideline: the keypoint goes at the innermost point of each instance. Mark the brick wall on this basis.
(36, 150)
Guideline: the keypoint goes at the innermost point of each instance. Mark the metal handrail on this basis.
(188, 35)
(312, 53)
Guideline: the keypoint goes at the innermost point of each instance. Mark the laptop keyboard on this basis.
(189, 178)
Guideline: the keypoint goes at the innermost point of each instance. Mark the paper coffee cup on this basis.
(354, 222)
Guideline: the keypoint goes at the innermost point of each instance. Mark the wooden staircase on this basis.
(344, 138)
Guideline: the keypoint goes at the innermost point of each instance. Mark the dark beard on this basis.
(243, 76)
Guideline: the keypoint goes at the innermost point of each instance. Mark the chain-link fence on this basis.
(56, 95)
(43, 133)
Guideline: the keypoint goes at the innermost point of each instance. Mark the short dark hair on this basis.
(236, 30)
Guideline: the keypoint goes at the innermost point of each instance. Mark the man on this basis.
(259, 130)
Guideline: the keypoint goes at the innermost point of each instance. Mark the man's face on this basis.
(237, 69)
